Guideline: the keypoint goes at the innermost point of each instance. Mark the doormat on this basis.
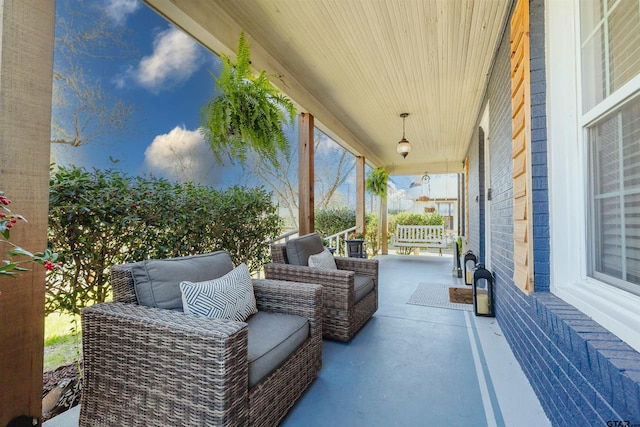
(436, 295)
(461, 295)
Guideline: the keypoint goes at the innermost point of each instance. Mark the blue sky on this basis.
(168, 79)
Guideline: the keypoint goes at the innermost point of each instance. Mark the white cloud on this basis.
(174, 59)
(183, 155)
(398, 199)
(119, 10)
(328, 146)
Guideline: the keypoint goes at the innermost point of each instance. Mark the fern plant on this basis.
(376, 182)
(247, 114)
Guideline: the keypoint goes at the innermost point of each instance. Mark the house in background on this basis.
(535, 104)
(436, 193)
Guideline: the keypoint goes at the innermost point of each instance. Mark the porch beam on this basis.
(360, 211)
(26, 73)
(384, 234)
(305, 174)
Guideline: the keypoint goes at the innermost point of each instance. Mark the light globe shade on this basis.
(404, 147)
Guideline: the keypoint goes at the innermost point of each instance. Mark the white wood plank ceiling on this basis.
(356, 65)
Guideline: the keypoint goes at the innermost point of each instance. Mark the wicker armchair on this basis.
(158, 367)
(345, 310)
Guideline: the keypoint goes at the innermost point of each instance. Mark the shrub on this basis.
(101, 218)
(9, 266)
(371, 234)
(434, 218)
(332, 220)
(406, 218)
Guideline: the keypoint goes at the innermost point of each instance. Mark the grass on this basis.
(61, 340)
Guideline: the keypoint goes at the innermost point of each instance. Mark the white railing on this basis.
(337, 240)
(284, 237)
(334, 241)
(280, 239)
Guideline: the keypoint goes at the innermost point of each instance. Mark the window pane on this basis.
(624, 43)
(609, 237)
(632, 237)
(607, 156)
(610, 47)
(590, 16)
(631, 146)
(593, 71)
(615, 197)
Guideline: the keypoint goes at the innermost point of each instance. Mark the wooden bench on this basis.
(420, 236)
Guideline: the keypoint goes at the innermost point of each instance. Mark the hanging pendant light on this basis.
(404, 146)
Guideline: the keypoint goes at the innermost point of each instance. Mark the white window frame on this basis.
(612, 307)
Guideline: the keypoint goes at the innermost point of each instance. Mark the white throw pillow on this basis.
(228, 297)
(324, 259)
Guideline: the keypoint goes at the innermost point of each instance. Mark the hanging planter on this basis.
(247, 114)
(376, 182)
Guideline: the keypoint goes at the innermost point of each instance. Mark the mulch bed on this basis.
(61, 390)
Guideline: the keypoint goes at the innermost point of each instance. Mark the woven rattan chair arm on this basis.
(122, 284)
(302, 299)
(296, 273)
(145, 362)
(190, 324)
(368, 267)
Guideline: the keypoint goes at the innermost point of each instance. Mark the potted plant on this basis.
(247, 113)
(355, 236)
(355, 245)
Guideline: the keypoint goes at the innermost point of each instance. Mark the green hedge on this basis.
(333, 220)
(406, 218)
(371, 234)
(101, 218)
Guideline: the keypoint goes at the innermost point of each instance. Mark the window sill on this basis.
(613, 308)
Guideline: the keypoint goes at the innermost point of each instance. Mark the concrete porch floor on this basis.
(413, 365)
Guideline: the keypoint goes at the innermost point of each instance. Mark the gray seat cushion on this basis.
(272, 338)
(157, 281)
(298, 250)
(363, 285)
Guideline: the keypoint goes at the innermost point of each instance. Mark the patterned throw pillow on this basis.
(228, 297)
(324, 259)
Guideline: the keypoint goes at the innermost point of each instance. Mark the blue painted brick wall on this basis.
(582, 374)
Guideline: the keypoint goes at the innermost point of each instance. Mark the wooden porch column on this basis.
(305, 174)
(384, 235)
(26, 72)
(360, 214)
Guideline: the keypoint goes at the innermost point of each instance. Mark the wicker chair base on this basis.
(130, 378)
(342, 325)
(271, 399)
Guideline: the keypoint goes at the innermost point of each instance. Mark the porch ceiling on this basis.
(356, 65)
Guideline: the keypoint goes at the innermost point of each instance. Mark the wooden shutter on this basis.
(521, 148)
